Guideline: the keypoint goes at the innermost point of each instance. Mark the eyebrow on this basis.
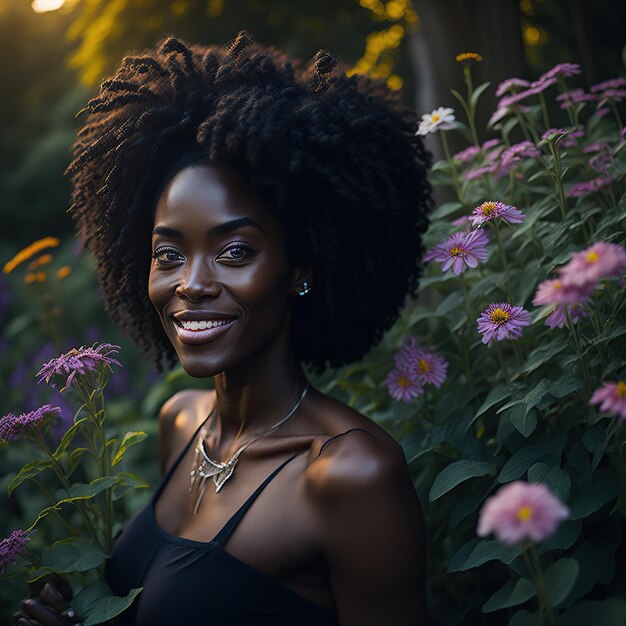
(219, 229)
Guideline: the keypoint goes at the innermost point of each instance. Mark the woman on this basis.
(249, 214)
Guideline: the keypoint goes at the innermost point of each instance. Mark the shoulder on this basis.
(178, 417)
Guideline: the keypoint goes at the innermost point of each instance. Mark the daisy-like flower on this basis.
(16, 426)
(491, 210)
(460, 250)
(589, 186)
(511, 85)
(469, 154)
(557, 292)
(78, 361)
(520, 511)
(524, 149)
(440, 118)
(562, 70)
(11, 547)
(575, 96)
(430, 367)
(558, 317)
(600, 260)
(404, 384)
(501, 321)
(612, 398)
(468, 57)
(612, 83)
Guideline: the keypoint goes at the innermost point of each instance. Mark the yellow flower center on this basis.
(487, 208)
(403, 381)
(436, 117)
(592, 257)
(498, 316)
(525, 513)
(621, 389)
(558, 284)
(456, 251)
(423, 366)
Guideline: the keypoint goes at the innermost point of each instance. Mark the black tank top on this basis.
(192, 582)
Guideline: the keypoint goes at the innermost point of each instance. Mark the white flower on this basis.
(441, 117)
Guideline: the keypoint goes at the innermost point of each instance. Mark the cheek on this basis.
(157, 290)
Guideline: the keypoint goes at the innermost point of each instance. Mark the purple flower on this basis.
(501, 321)
(557, 292)
(460, 250)
(601, 162)
(427, 365)
(600, 260)
(562, 70)
(612, 83)
(535, 88)
(612, 398)
(569, 98)
(554, 131)
(616, 95)
(521, 511)
(592, 148)
(11, 547)
(491, 210)
(524, 149)
(589, 186)
(78, 361)
(558, 317)
(511, 85)
(403, 384)
(466, 155)
(15, 426)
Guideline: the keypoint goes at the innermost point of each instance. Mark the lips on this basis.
(196, 327)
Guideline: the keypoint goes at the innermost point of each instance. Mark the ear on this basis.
(301, 273)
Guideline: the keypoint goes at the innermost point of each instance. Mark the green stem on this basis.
(502, 366)
(504, 262)
(467, 74)
(71, 531)
(531, 558)
(581, 359)
(570, 113)
(615, 110)
(455, 174)
(558, 177)
(544, 111)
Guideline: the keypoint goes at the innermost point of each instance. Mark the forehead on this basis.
(201, 196)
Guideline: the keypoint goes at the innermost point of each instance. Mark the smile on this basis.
(200, 331)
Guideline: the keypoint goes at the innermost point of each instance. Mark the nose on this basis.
(197, 281)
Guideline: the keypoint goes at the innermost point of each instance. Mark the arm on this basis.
(372, 531)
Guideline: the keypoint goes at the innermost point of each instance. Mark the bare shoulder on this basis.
(178, 417)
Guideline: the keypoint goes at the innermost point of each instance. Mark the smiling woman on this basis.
(249, 214)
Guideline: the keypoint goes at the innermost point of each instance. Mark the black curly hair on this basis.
(335, 156)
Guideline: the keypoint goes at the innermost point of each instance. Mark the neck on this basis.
(257, 394)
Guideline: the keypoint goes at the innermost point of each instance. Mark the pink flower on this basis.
(16, 426)
(558, 317)
(555, 291)
(554, 131)
(492, 210)
(511, 85)
(11, 546)
(575, 96)
(562, 70)
(520, 511)
(612, 398)
(600, 260)
(460, 250)
(501, 321)
(524, 149)
(427, 366)
(589, 186)
(466, 155)
(404, 384)
(78, 361)
(612, 83)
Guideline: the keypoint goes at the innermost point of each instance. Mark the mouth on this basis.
(200, 331)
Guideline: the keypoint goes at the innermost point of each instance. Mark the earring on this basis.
(305, 289)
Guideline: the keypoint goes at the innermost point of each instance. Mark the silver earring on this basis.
(305, 289)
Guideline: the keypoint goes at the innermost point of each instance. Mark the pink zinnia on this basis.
(78, 361)
(501, 321)
(555, 291)
(492, 210)
(404, 384)
(11, 547)
(460, 250)
(521, 511)
(16, 426)
(612, 398)
(596, 262)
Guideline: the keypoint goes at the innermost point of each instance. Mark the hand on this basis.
(48, 604)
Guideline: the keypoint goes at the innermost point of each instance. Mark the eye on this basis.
(237, 252)
(167, 256)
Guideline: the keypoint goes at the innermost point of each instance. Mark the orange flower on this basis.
(44, 259)
(468, 56)
(63, 272)
(30, 251)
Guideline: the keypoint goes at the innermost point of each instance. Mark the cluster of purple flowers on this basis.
(578, 279)
(17, 426)
(11, 547)
(415, 367)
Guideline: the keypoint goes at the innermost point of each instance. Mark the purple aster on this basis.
(612, 398)
(616, 95)
(558, 292)
(612, 83)
(523, 149)
(466, 155)
(599, 146)
(11, 547)
(460, 250)
(558, 317)
(511, 85)
(492, 210)
(554, 131)
(599, 261)
(78, 361)
(589, 186)
(500, 321)
(569, 98)
(601, 162)
(404, 384)
(15, 426)
(562, 70)
(430, 367)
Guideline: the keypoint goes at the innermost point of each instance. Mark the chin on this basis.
(199, 367)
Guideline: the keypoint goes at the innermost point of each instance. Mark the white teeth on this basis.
(204, 324)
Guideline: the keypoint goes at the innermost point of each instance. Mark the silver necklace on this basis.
(204, 467)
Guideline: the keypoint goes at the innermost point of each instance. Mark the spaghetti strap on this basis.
(222, 537)
(179, 458)
(339, 435)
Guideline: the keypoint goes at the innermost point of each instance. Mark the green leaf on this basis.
(27, 472)
(512, 594)
(555, 478)
(482, 552)
(609, 612)
(456, 473)
(565, 385)
(524, 420)
(130, 439)
(521, 460)
(497, 394)
(560, 578)
(69, 434)
(446, 209)
(603, 489)
(97, 604)
(69, 555)
(477, 93)
(543, 353)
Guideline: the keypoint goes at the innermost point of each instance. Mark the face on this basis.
(219, 277)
